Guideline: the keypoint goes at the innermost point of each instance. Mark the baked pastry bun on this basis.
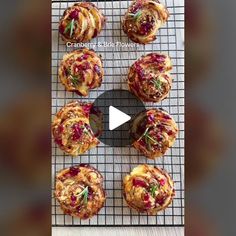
(143, 19)
(81, 22)
(154, 131)
(149, 77)
(79, 190)
(80, 71)
(148, 189)
(71, 129)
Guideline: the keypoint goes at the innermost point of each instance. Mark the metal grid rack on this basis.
(115, 163)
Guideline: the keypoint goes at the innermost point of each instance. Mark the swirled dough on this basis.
(149, 77)
(143, 19)
(81, 22)
(148, 189)
(80, 71)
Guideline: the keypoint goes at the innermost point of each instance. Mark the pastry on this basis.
(143, 19)
(149, 77)
(79, 191)
(81, 22)
(153, 131)
(71, 129)
(148, 189)
(80, 71)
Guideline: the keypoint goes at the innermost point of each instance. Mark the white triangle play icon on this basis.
(117, 118)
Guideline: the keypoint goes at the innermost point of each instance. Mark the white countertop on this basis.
(118, 231)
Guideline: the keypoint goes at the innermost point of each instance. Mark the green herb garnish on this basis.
(157, 83)
(136, 15)
(84, 194)
(74, 80)
(153, 190)
(70, 27)
(148, 139)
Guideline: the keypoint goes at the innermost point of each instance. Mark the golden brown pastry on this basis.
(143, 19)
(80, 71)
(71, 129)
(153, 131)
(81, 22)
(149, 77)
(148, 189)
(79, 191)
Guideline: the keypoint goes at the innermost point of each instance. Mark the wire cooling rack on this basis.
(115, 163)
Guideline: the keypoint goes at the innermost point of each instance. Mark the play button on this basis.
(117, 118)
(116, 109)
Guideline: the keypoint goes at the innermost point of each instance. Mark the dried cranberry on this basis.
(136, 7)
(97, 69)
(73, 198)
(146, 197)
(158, 58)
(58, 141)
(160, 201)
(139, 70)
(148, 205)
(139, 183)
(170, 132)
(74, 14)
(87, 108)
(85, 56)
(162, 182)
(74, 171)
(146, 27)
(78, 208)
(77, 132)
(60, 129)
(151, 118)
(167, 117)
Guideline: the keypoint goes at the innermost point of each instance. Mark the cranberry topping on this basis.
(60, 129)
(146, 27)
(58, 141)
(78, 208)
(78, 131)
(151, 118)
(160, 201)
(74, 171)
(136, 7)
(73, 198)
(162, 182)
(139, 183)
(167, 117)
(97, 69)
(158, 58)
(170, 132)
(87, 108)
(148, 205)
(74, 14)
(146, 197)
(84, 66)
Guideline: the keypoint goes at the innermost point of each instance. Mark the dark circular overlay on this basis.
(124, 101)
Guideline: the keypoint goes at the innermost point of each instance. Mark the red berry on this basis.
(74, 171)
(162, 182)
(139, 183)
(74, 14)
